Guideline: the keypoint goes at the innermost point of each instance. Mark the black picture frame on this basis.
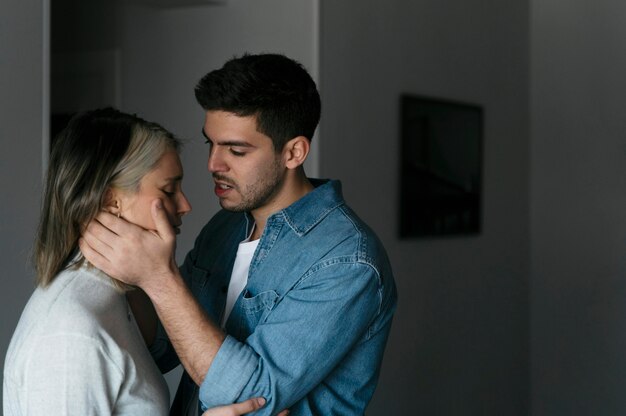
(441, 167)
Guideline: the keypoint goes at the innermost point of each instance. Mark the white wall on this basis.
(578, 199)
(21, 126)
(459, 342)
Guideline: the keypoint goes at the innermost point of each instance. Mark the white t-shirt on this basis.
(77, 350)
(239, 275)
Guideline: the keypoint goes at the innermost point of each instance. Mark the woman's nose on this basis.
(184, 206)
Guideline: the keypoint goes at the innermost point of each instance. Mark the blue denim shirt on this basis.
(309, 330)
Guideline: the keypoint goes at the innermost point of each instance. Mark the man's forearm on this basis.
(194, 336)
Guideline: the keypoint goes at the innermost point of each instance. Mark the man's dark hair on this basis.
(276, 89)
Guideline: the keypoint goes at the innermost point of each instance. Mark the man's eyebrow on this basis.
(238, 143)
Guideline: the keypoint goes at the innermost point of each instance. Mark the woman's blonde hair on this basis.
(97, 151)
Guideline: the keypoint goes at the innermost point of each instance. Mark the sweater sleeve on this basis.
(70, 374)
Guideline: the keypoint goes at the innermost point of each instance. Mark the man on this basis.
(287, 294)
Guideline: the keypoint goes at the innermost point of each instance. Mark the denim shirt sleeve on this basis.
(307, 332)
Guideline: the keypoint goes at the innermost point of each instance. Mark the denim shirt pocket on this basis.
(256, 308)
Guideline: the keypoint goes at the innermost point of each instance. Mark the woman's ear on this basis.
(296, 151)
(112, 202)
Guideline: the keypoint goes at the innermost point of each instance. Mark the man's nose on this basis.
(215, 163)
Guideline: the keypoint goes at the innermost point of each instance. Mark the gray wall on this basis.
(459, 344)
(459, 340)
(21, 125)
(578, 198)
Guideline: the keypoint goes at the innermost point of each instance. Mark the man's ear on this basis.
(296, 151)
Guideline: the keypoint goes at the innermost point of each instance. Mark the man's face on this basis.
(247, 171)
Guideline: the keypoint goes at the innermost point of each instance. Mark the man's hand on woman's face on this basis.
(128, 252)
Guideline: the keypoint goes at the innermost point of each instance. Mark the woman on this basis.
(77, 348)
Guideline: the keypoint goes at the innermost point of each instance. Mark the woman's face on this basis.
(163, 182)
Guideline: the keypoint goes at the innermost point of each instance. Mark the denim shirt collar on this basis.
(308, 211)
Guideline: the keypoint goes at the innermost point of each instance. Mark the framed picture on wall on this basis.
(441, 167)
